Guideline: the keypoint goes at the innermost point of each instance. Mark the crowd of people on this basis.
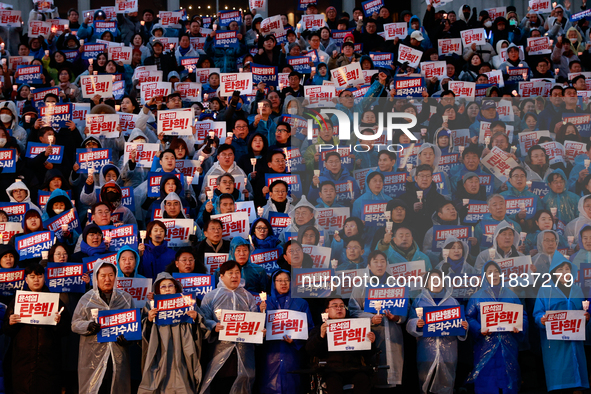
(493, 167)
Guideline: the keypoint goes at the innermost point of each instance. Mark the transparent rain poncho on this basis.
(94, 356)
(239, 300)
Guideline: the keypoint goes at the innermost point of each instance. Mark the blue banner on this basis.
(371, 6)
(266, 258)
(441, 183)
(126, 322)
(34, 149)
(381, 59)
(393, 299)
(226, 17)
(172, 309)
(102, 26)
(303, 4)
(440, 233)
(31, 245)
(8, 160)
(514, 206)
(43, 196)
(197, 284)
(15, 210)
(91, 51)
(581, 121)
(28, 74)
(89, 262)
(95, 158)
(409, 86)
(154, 182)
(58, 223)
(300, 64)
(488, 233)
(279, 222)
(447, 162)
(311, 282)
(65, 277)
(226, 39)
(476, 211)
(118, 90)
(266, 74)
(394, 184)
(11, 280)
(120, 236)
(443, 321)
(373, 213)
(58, 115)
(580, 15)
(539, 188)
(295, 159)
(294, 186)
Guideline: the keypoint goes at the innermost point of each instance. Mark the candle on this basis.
(299, 25)
(189, 181)
(445, 253)
(211, 134)
(142, 23)
(209, 195)
(152, 304)
(324, 317)
(61, 310)
(360, 17)
(253, 162)
(465, 201)
(50, 139)
(316, 172)
(260, 211)
(585, 305)
(423, 132)
(240, 69)
(313, 69)
(117, 107)
(388, 215)
(389, 226)
(1, 239)
(513, 149)
(492, 253)
(171, 46)
(90, 170)
(3, 62)
(571, 239)
(95, 73)
(521, 205)
(486, 140)
(230, 134)
(46, 52)
(27, 118)
(94, 313)
(218, 314)
(444, 119)
(263, 296)
(377, 305)
(522, 235)
(336, 232)
(419, 312)
(461, 149)
(90, 61)
(554, 211)
(14, 87)
(44, 254)
(334, 263)
(64, 228)
(587, 162)
(420, 195)
(408, 168)
(528, 183)
(2, 46)
(81, 41)
(214, 27)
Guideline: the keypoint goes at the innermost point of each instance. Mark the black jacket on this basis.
(422, 220)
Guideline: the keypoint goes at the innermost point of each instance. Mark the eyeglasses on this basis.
(61, 254)
(241, 127)
(226, 156)
(166, 287)
(518, 176)
(261, 229)
(353, 248)
(282, 281)
(337, 307)
(282, 131)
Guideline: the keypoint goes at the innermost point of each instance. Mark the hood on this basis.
(437, 220)
(579, 37)
(499, 46)
(579, 236)
(5, 249)
(450, 147)
(305, 203)
(368, 192)
(501, 226)
(103, 109)
(540, 239)
(104, 171)
(112, 205)
(18, 185)
(303, 229)
(216, 201)
(165, 178)
(412, 19)
(172, 197)
(485, 285)
(274, 293)
(561, 173)
(436, 150)
(165, 275)
(580, 207)
(88, 228)
(460, 14)
(365, 57)
(97, 266)
(452, 239)
(289, 99)
(90, 138)
(12, 107)
(156, 27)
(55, 173)
(426, 294)
(238, 241)
(265, 144)
(557, 260)
(137, 261)
(137, 133)
(58, 195)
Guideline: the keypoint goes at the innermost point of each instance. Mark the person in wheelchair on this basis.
(342, 367)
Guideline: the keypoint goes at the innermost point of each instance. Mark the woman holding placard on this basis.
(496, 368)
(282, 356)
(564, 360)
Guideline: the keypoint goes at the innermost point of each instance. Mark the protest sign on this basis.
(106, 125)
(196, 284)
(282, 322)
(500, 316)
(245, 327)
(234, 224)
(566, 325)
(348, 334)
(392, 299)
(114, 323)
(444, 321)
(93, 85)
(36, 308)
(175, 122)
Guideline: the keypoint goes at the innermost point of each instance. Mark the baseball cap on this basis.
(417, 35)
(487, 104)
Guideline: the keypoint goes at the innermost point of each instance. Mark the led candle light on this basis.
(142, 23)
(408, 168)
(585, 305)
(461, 149)
(240, 69)
(423, 132)
(94, 313)
(492, 253)
(324, 317)
(90, 61)
(334, 263)
(61, 310)
(214, 27)
(554, 211)
(528, 183)
(64, 228)
(143, 234)
(230, 135)
(587, 162)
(522, 236)
(389, 226)
(388, 215)
(218, 314)
(513, 149)
(445, 118)
(378, 306)
(152, 304)
(14, 87)
(571, 239)
(260, 211)
(253, 162)
(212, 134)
(486, 140)
(209, 195)
(316, 172)
(117, 107)
(46, 52)
(189, 181)
(50, 139)
(263, 296)
(419, 312)
(445, 253)
(81, 41)
(44, 254)
(420, 195)
(27, 118)
(521, 206)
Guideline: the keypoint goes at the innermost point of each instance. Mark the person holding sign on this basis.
(439, 350)
(35, 349)
(496, 367)
(559, 197)
(92, 243)
(90, 32)
(254, 276)
(342, 367)
(212, 243)
(232, 366)
(562, 295)
(103, 367)
(456, 261)
(386, 326)
(154, 251)
(505, 244)
(285, 355)
(172, 352)
(517, 188)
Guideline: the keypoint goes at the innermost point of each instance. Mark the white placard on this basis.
(145, 153)
(120, 54)
(105, 125)
(500, 316)
(348, 334)
(463, 89)
(395, 30)
(235, 224)
(92, 85)
(235, 81)
(499, 163)
(449, 46)
(178, 231)
(36, 308)
(473, 36)
(566, 325)
(538, 45)
(283, 322)
(409, 55)
(347, 75)
(320, 255)
(175, 122)
(245, 327)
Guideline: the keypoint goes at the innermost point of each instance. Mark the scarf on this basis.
(408, 254)
(159, 250)
(280, 205)
(456, 265)
(437, 297)
(183, 51)
(215, 248)
(90, 250)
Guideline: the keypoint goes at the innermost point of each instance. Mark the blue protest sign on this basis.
(57, 115)
(514, 205)
(172, 309)
(197, 284)
(371, 6)
(382, 60)
(67, 219)
(120, 236)
(311, 282)
(102, 26)
(303, 4)
(266, 74)
(266, 258)
(15, 211)
(300, 64)
(28, 74)
(476, 211)
(34, 149)
(373, 213)
(65, 277)
(393, 299)
(126, 322)
(409, 86)
(226, 17)
(447, 162)
(8, 160)
(440, 233)
(89, 262)
(226, 39)
(295, 159)
(11, 280)
(31, 245)
(294, 185)
(154, 179)
(581, 121)
(539, 188)
(95, 158)
(91, 51)
(279, 221)
(394, 184)
(443, 321)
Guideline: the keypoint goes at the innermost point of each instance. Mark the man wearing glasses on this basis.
(226, 164)
(517, 188)
(282, 136)
(239, 140)
(341, 367)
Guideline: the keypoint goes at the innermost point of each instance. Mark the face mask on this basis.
(58, 211)
(2, 142)
(573, 40)
(293, 111)
(5, 118)
(139, 141)
(487, 24)
(112, 196)
(466, 15)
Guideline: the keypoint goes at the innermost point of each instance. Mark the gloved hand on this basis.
(94, 328)
(121, 341)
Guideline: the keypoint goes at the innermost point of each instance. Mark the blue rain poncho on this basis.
(94, 356)
(389, 340)
(255, 276)
(484, 257)
(451, 267)
(532, 241)
(575, 226)
(437, 357)
(368, 195)
(120, 273)
(512, 192)
(583, 255)
(171, 353)
(282, 357)
(495, 355)
(566, 202)
(543, 258)
(237, 300)
(564, 361)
